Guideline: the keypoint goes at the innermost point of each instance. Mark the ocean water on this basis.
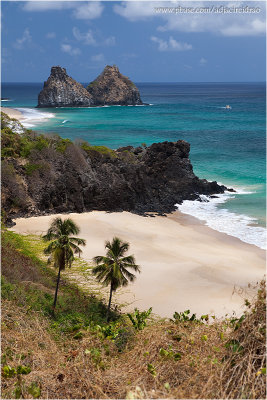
(227, 145)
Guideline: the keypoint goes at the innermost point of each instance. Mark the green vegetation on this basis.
(53, 356)
(62, 246)
(30, 168)
(138, 318)
(25, 143)
(112, 269)
(105, 151)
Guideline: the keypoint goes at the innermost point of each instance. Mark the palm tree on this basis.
(112, 268)
(63, 246)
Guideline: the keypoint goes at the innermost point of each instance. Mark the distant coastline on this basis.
(13, 113)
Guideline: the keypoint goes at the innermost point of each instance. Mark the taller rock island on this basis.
(60, 90)
(113, 88)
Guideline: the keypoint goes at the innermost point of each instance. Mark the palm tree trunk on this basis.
(55, 298)
(109, 302)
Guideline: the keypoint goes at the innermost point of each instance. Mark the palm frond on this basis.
(112, 268)
(63, 245)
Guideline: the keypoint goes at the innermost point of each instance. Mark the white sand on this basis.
(185, 265)
(12, 113)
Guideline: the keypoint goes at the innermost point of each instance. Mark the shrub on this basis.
(30, 168)
(103, 150)
(138, 318)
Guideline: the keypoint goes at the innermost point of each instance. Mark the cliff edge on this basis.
(47, 174)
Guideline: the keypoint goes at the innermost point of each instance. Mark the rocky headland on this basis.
(60, 90)
(113, 88)
(48, 174)
(109, 88)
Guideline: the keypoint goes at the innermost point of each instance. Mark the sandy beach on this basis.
(185, 265)
(12, 113)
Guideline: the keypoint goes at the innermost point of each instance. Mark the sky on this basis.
(178, 41)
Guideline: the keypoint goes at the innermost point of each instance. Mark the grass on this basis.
(78, 355)
(103, 150)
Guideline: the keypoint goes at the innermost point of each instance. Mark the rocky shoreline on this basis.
(58, 176)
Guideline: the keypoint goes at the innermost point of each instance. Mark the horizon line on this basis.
(155, 82)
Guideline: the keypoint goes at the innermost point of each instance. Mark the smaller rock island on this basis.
(113, 88)
(109, 88)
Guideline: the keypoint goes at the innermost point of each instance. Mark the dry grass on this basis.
(244, 372)
(148, 366)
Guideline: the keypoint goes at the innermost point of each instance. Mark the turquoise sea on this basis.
(227, 145)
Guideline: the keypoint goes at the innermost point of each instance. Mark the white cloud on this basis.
(90, 10)
(98, 58)
(255, 27)
(110, 41)
(47, 5)
(128, 56)
(171, 44)
(226, 24)
(188, 67)
(72, 51)
(81, 9)
(50, 35)
(25, 39)
(136, 10)
(86, 38)
(203, 61)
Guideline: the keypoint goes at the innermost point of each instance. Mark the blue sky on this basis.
(147, 45)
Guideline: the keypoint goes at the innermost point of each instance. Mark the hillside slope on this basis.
(76, 354)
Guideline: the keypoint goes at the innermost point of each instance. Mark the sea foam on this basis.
(33, 117)
(222, 220)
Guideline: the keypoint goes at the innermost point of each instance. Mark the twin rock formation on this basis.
(109, 88)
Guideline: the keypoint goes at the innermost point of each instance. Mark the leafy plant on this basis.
(78, 335)
(23, 369)
(35, 390)
(234, 345)
(185, 316)
(151, 369)
(96, 357)
(236, 322)
(138, 318)
(8, 372)
(30, 168)
(18, 391)
(170, 354)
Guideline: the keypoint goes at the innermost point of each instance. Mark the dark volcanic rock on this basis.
(60, 90)
(113, 88)
(152, 180)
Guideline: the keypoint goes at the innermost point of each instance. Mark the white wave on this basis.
(225, 221)
(32, 117)
(6, 100)
(65, 120)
